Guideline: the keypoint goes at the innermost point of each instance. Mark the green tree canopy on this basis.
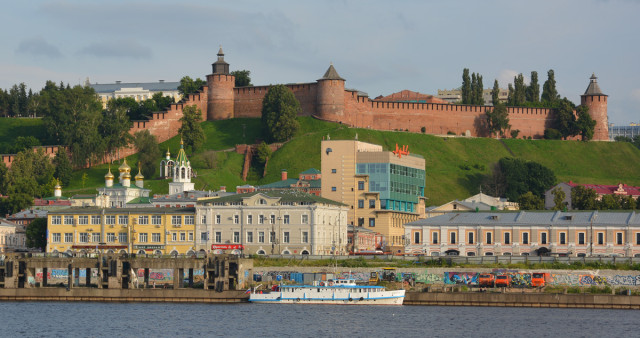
(533, 90)
(549, 92)
(564, 119)
(558, 199)
(191, 130)
(243, 78)
(583, 198)
(529, 201)
(148, 152)
(31, 173)
(520, 176)
(63, 169)
(495, 93)
(114, 128)
(189, 86)
(280, 109)
(36, 234)
(585, 125)
(466, 87)
(497, 119)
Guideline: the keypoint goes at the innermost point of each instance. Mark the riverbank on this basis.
(123, 295)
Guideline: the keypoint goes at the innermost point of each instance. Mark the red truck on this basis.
(503, 280)
(486, 280)
(538, 279)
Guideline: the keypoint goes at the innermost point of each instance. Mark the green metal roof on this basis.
(181, 160)
(312, 171)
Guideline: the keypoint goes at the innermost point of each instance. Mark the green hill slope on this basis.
(455, 166)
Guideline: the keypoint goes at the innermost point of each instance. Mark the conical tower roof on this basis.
(139, 176)
(331, 74)
(182, 160)
(109, 175)
(594, 88)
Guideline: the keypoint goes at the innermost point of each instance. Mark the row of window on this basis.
(525, 238)
(122, 220)
(372, 221)
(261, 219)
(143, 237)
(372, 204)
(286, 237)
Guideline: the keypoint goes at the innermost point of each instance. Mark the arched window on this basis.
(183, 171)
(261, 252)
(141, 252)
(304, 252)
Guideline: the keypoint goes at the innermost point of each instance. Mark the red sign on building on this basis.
(227, 246)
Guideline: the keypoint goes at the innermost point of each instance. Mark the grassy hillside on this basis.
(10, 128)
(455, 166)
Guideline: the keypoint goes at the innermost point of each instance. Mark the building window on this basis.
(261, 219)
(600, 238)
(155, 237)
(110, 220)
(285, 237)
(360, 185)
(249, 219)
(453, 238)
(218, 237)
(305, 237)
(236, 237)
(286, 219)
(83, 220)
(434, 237)
(470, 237)
(204, 236)
(123, 219)
(360, 204)
(68, 219)
(360, 221)
(95, 237)
(55, 237)
(174, 236)
(203, 219)
(543, 238)
(489, 238)
(249, 237)
(260, 236)
(95, 219)
(525, 238)
(333, 171)
(84, 237)
(333, 188)
(217, 219)
(156, 220)
(122, 237)
(68, 237)
(619, 238)
(305, 219)
(262, 201)
(272, 219)
(272, 237)
(416, 238)
(111, 237)
(581, 238)
(236, 219)
(56, 220)
(372, 204)
(176, 220)
(189, 219)
(183, 237)
(638, 238)
(372, 222)
(563, 238)
(142, 237)
(143, 220)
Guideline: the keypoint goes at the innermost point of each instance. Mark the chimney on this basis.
(223, 188)
(284, 174)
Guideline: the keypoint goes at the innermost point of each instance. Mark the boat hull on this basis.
(338, 298)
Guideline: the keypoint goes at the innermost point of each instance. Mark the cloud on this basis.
(118, 49)
(37, 46)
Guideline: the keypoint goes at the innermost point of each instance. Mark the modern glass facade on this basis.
(400, 187)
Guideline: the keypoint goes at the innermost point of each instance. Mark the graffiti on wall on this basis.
(466, 278)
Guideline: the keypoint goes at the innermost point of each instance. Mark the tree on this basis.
(495, 93)
(520, 176)
(583, 198)
(585, 125)
(558, 199)
(565, 120)
(279, 111)
(36, 234)
(479, 91)
(63, 169)
(243, 78)
(474, 89)
(30, 174)
(608, 202)
(162, 102)
(114, 128)
(148, 152)
(549, 92)
(529, 201)
(497, 119)
(263, 152)
(519, 91)
(191, 130)
(533, 90)
(510, 94)
(552, 134)
(24, 142)
(189, 86)
(466, 87)
(4, 179)
(84, 179)
(15, 202)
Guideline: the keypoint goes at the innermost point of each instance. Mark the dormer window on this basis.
(262, 201)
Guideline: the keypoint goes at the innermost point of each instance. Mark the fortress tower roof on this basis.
(331, 74)
(220, 66)
(593, 88)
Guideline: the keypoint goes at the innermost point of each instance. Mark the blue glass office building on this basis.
(400, 187)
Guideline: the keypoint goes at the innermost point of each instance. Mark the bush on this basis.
(514, 133)
(450, 133)
(552, 134)
(423, 129)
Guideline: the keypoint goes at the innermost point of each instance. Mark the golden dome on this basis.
(139, 177)
(109, 175)
(124, 167)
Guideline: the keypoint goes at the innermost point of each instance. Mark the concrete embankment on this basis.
(589, 301)
(123, 295)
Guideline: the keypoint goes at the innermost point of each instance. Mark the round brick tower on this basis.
(597, 103)
(330, 96)
(220, 93)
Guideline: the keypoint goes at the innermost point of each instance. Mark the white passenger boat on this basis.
(338, 291)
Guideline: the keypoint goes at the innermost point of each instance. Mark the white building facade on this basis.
(272, 223)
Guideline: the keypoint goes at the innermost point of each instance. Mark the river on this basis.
(58, 319)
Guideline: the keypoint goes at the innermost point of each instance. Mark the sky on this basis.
(379, 47)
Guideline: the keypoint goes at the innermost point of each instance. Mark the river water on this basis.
(57, 319)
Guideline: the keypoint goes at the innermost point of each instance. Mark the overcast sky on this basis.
(379, 47)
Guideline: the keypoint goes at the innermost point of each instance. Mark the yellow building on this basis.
(158, 231)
